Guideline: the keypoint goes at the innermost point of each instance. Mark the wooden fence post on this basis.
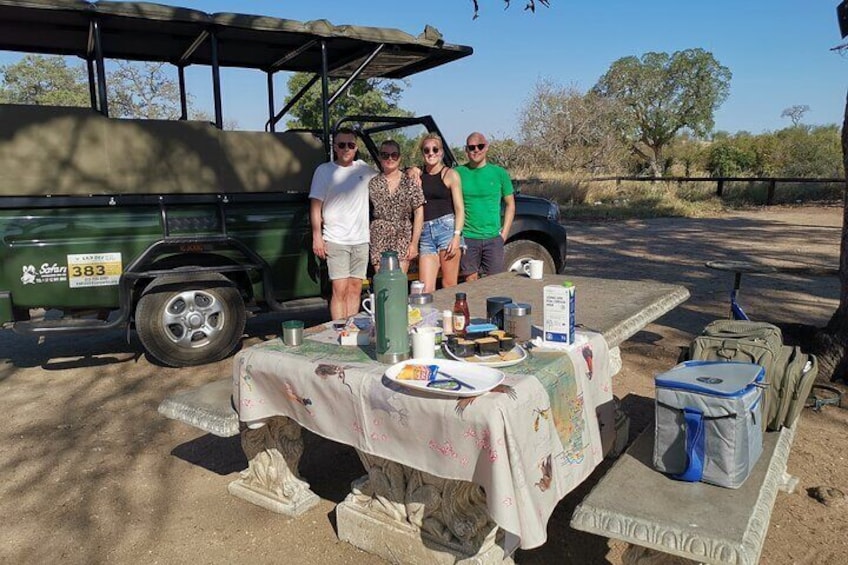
(720, 187)
(770, 193)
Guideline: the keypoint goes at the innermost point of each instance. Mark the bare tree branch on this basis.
(530, 5)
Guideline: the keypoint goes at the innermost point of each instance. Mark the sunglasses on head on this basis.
(346, 145)
(472, 146)
(385, 156)
(431, 150)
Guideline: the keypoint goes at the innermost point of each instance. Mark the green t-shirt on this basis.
(482, 190)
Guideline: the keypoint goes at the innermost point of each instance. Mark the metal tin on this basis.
(494, 309)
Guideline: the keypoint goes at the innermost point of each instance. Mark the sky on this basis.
(778, 51)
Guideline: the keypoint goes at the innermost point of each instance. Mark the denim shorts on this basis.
(436, 235)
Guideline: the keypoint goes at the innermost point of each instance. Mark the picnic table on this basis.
(448, 478)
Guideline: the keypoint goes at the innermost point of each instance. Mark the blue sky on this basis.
(778, 51)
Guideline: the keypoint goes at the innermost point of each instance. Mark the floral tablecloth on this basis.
(528, 442)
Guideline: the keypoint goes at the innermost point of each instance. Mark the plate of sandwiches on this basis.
(445, 377)
(495, 349)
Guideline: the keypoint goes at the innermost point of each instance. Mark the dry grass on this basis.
(580, 198)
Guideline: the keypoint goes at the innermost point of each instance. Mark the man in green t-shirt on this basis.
(484, 186)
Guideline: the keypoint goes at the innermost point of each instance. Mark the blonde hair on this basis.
(431, 136)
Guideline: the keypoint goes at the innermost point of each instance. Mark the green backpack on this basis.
(789, 373)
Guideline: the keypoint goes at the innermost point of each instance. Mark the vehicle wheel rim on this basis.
(518, 265)
(193, 318)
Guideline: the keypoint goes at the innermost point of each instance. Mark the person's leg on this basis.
(492, 256)
(428, 271)
(470, 262)
(358, 271)
(352, 296)
(450, 268)
(338, 269)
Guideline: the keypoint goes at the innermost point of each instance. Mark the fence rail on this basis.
(772, 181)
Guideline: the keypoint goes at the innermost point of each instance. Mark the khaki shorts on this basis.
(346, 261)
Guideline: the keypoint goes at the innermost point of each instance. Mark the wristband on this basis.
(456, 232)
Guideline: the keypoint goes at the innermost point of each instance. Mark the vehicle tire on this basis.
(517, 252)
(190, 319)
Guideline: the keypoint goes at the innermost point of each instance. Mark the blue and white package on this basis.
(558, 313)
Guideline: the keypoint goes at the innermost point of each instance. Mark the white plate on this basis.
(481, 379)
(489, 360)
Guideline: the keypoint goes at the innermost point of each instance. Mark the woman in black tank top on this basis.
(441, 240)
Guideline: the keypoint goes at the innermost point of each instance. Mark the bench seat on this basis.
(208, 407)
(635, 503)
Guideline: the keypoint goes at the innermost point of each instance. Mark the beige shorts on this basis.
(346, 261)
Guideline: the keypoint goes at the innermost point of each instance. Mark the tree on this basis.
(529, 5)
(43, 81)
(143, 90)
(795, 113)
(662, 94)
(567, 129)
(376, 97)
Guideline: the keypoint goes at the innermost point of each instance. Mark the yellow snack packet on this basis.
(418, 373)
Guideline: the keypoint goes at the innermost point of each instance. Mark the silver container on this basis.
(517, 320)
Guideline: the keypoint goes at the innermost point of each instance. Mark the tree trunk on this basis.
(831, 342)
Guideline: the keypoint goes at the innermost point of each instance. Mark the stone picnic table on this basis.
(448, 478)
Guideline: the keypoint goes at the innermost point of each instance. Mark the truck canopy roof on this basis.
(153, 32)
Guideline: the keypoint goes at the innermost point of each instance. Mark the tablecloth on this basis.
(528, 442)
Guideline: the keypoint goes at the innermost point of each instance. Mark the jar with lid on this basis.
(517, 321)
(461, 316)
(421, 310)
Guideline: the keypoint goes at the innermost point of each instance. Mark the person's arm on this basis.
(413, 173)
(509, 215)
(417, 224)
(316, 217)
(453, 182)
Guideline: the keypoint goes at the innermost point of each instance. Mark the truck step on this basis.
(75, 325)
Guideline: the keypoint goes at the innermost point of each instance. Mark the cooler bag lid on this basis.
(719, 378)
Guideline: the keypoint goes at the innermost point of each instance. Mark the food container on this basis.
(421, 310)
(494, 309)
(517, 321)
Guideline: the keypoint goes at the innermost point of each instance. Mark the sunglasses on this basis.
(478, 146)
(394, 156)
(431, 150)
(346, 145)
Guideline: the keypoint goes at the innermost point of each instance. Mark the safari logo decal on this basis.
(46, 273)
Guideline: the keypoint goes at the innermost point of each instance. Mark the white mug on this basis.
(424, 343)
(534, 268)
(368, 305)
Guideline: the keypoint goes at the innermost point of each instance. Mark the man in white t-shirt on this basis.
(338, 210)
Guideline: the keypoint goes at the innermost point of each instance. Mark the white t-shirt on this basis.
(344, 193)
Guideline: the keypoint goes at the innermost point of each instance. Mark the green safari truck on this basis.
(179, 228)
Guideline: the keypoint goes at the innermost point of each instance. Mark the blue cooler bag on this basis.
(709, 424)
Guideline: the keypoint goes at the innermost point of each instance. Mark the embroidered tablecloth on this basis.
(528, 442)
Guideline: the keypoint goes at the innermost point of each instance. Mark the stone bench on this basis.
(635, 503)
(208, 407)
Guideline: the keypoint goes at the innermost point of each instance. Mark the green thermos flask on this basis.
(391, 295)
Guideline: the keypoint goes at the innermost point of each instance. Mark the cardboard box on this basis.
(558, 313)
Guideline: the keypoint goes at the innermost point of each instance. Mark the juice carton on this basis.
(558, 313)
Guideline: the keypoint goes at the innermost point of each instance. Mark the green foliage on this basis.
(728, 160)
(662, 94)
(43, 81)
(370, 97)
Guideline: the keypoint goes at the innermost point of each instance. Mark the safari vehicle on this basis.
(179, 228)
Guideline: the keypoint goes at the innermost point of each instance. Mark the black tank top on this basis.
(438, 196)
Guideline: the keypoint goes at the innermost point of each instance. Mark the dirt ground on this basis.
(92, 474)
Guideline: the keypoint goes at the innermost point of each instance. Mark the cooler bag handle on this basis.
(694, 446)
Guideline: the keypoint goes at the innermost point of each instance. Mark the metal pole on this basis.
(216, 82)
(325, 107)
(101, 69)
(183, 98)
(271, 123)
(92, 85)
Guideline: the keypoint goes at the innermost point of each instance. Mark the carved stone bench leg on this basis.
(271, 481)
(638, 555)
(408, 516)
